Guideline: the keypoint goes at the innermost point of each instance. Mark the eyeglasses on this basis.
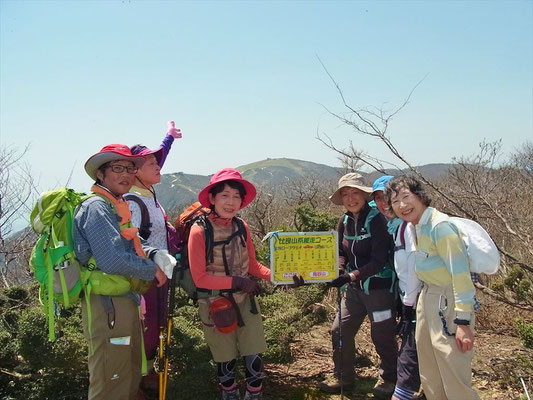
(121, 168)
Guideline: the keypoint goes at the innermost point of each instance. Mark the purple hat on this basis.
(140, 150)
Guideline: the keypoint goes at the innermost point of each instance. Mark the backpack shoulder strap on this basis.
(241, 230)
(401, 232)
(371, 214)
(209, 236)
(144, 229)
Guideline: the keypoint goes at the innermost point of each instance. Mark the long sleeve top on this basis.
(97, 234)
(442, 259)
(197, 261)
(367, 255)
(404, 264)
(158, 230)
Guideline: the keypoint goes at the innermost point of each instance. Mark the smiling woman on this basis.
(231, 322)
(364, 268)
(445, 310)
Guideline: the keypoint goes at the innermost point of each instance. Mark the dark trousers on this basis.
(156, 313)
(379, 306)
(408, 375)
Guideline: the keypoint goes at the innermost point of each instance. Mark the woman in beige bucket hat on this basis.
(363, 263)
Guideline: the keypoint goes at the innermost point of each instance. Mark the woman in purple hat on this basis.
(149, 216)
(232, 321)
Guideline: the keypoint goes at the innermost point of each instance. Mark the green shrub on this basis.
(8, 354)
(17, 295)
(276, 301)
(310, 294)
(513, 278)
(309, 219)
(498, 286)
(522, 290)
(278, 335)
(525, 332)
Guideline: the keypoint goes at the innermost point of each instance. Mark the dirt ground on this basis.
(493, 368)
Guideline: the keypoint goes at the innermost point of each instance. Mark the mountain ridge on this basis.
(179, 189)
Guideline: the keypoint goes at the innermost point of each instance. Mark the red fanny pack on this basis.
(223, 314)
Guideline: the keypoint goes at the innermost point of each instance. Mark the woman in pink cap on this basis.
(232, 322)
(149, 216)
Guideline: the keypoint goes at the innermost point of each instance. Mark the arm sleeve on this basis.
(197, 263)
(343, 259)
(255, 268)
(380, 244)
(451, 249)
(413, 283)
(112, 253)
(166, 144)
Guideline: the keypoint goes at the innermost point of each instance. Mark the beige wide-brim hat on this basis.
(352, 179)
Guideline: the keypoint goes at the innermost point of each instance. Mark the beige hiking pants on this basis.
(445, 371)
(115, 363)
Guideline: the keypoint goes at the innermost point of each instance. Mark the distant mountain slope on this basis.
(278, 170)
(430, 171)
(179, 189)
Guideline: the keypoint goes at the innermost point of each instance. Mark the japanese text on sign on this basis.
(313, 255)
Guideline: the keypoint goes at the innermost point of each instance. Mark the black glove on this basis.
(298, 281)
(340, 281)
(406, 321)
(246, 285)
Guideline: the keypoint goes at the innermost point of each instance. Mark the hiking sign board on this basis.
(313, 255)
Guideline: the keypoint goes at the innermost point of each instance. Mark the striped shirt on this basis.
(442, 258)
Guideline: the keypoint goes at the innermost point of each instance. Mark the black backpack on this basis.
(144, 229)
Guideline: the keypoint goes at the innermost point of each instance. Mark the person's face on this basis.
(150, 172)
(227, 203)
(118, 183)
(353, 199)
(383, 205)
(407, 205)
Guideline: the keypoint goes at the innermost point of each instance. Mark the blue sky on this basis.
(242, 78)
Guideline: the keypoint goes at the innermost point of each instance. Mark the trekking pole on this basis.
(525, 388)
(166, 344)
(162, 350)
(339, 298)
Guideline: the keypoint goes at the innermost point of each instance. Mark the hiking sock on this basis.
(404, 394)
(226, 374)
(254, 372)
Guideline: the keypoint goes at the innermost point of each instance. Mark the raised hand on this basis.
(173, 131)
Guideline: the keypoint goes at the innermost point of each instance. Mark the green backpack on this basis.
(53, 260)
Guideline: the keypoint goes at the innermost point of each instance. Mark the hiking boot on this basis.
(332, 384)
(253, 396)
(383, 389)
(231, 394)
